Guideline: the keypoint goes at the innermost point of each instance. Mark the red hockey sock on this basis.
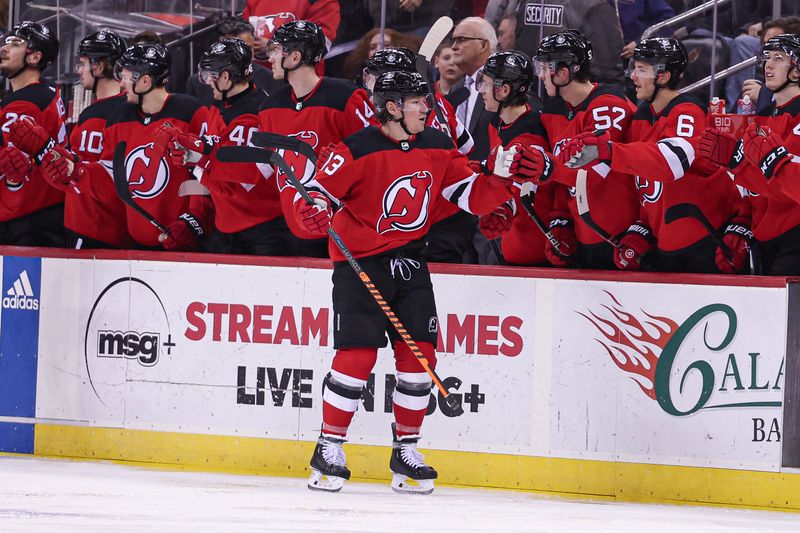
(413, 390)
(342, 388)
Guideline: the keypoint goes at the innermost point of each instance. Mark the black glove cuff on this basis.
(193, 224)
(772, 159)
(738, 229)
(642, 231)
(560, 222)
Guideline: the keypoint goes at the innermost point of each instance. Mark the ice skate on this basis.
(328, 468)
(410, 474)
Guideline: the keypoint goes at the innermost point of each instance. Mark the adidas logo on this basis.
(20, 295)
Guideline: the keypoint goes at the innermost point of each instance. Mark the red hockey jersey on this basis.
(273, 14)
(524, 243)
(660, 153)
(153, 179)
(775, 209)
(387, 188)
(239, 206)
(43, 104)
(611, 194)
(105, 220)
(333, 110)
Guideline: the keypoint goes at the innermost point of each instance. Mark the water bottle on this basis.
(744, 106)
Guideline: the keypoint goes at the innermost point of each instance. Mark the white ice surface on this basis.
(55, 495)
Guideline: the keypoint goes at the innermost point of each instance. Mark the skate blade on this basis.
(405, 485)
(319, 481)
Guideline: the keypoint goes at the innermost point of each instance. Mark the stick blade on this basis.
(435, 36)
(679, 211)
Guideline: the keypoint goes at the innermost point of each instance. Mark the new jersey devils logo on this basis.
(302, 167)
(148, 172)
(405, 203)
(649, 191)
(273, 22)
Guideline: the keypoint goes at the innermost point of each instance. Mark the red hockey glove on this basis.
(636, 242)
(183, 148)
(314, 218)
(721, 148)
(765, 149)
(530, 164)
(563, 230)
(15, 166)
(323, 155)
(31, 138)
(58, 165)
(184, 234)
(499, 161)
(497, 222)
(587, 148)
(737, 237)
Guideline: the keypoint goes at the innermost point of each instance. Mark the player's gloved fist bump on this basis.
(314, 218)
(531, 164)
(15, 166)
(563, 231)
(497, 222)
(737, 237)
(571, 149)
(633, 246)
(31, 138)
(58, 166)
(589, 147)
(184, 234)
(721, 148)
(765, 149)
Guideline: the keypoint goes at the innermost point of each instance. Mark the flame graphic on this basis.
(630, 344)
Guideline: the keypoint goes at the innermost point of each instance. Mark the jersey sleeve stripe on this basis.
(459, 192)
(678, 153)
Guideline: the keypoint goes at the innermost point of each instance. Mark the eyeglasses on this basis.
(461, 40)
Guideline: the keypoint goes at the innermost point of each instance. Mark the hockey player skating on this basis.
(504, 84)
(90, 223)
(31, 210)
(319, 111)
(153, 178)
(765, 161)
(384, 181)
(248, 215)
(660, 153)
(576, 106)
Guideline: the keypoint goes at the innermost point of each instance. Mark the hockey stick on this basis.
(124, 191)
(679, 211)
(427, 50)
(257, 155)
(276, 140)
(526, 198)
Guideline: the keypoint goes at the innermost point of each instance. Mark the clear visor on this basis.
(643, 70)
(14, 41)
(776, 57)
(413, 104)
(274, 48)
(542, 67)
(125, 76)
(368, 79)
(484, 80)
(207, 77)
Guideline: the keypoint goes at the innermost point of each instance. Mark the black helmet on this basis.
(104, 44)
(228, 55)
(666, 54)
(396, 86)
(304, 36)
(569, 48)
(39, 38)
(511, 67)
(392, 59)
(146, 58)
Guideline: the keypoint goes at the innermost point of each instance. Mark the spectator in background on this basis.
(505, 32)
(596, 19)
(413, 16)
(761, 96)
(238, 28)
(449, 73)
(366, 48)
(635, 16)
(268, 15)
(497, 10)
(146, 36)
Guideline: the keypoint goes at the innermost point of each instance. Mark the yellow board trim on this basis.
(574, 477)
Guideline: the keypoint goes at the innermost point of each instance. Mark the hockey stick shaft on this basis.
(120, 176)
(240, 153)
(527, 205)
(276, 140)
(687, 210)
